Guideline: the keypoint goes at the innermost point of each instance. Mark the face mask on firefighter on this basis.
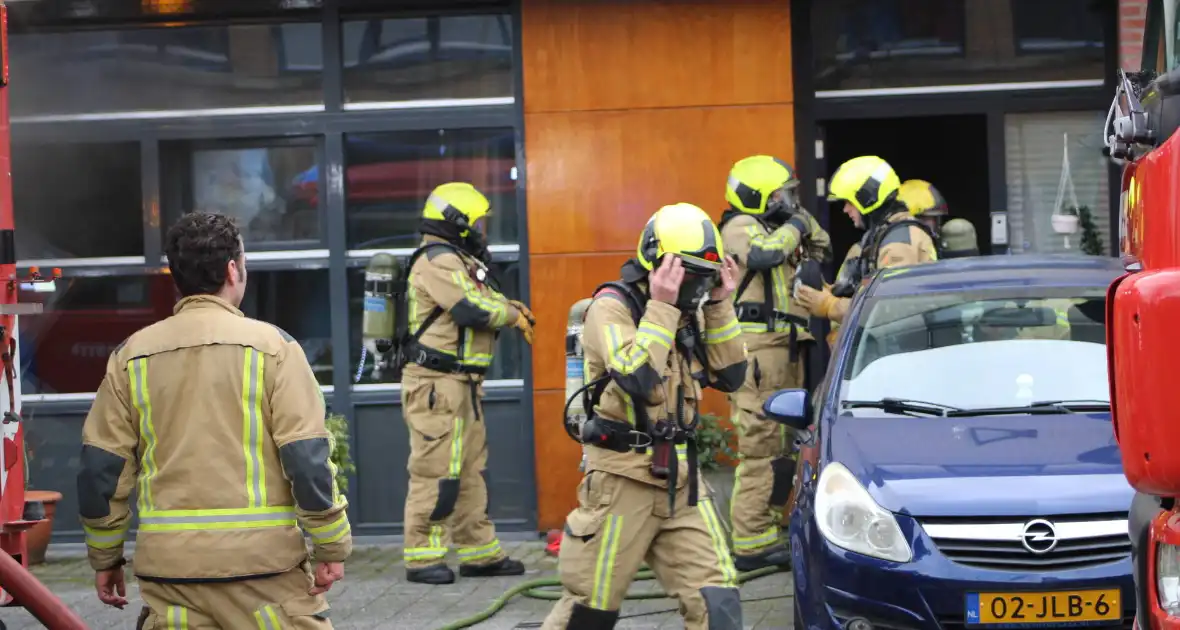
(695, 287)
(782, 204)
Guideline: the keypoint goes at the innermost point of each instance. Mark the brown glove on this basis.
(525, 326)
(818, 303)
(524, 310)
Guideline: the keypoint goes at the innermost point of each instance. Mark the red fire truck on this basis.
(1143, 311)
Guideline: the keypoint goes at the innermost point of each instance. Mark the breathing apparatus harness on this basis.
(664, 434)
(764, 312)
(877, 229)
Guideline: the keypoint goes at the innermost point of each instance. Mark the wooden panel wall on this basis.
(631, 105)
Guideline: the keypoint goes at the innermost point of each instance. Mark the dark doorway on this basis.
(950, 152)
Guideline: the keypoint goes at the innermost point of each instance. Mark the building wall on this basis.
(1132, 14)
(630, 106)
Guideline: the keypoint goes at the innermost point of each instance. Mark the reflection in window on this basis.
(1036, 151)
(31, 15)
(507, 361)
(865, 44)
(77, 200)
(65, 350)
(269, 188)
(153, 69)
(428, 58)
(390, 175)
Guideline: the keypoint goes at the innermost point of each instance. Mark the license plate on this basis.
(1034, 609)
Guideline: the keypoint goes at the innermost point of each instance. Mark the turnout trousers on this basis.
(621, 523)
(447, 501)
(766, 467)
(265, 603)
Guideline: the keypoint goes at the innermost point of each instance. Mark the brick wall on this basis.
(1131, 17)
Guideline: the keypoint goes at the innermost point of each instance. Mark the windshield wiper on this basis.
(901, 406)
(1042, 407)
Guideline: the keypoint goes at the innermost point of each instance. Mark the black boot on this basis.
(501, 568)
(433, 574)
(775, 556)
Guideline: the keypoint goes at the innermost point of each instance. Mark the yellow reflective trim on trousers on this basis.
(604, 568)
(435, 551)
(712, 524)
(467, 555)
(177, 618)
(330, 533)
(141, 398)
(252, 429)
(765, 539)
(217, 519)
(724, 333)
(456, 465)
(266, 618)
(98, 538)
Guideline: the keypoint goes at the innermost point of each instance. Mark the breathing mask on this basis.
(694, 289)
(782, 205)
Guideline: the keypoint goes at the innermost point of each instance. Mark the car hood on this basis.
(1018, 465)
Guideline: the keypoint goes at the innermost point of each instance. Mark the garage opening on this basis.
(950, 152)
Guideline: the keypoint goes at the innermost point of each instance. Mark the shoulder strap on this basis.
(438, 311)
(627, 294)
(875, 250)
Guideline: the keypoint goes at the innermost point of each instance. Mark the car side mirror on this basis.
(790, 407)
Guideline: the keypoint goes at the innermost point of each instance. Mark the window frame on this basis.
(161, 132)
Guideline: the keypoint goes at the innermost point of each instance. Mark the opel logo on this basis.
(1039, 536)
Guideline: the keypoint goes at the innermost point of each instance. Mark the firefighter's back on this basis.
(211, 494)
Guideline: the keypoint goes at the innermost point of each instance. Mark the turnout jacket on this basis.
(907, 245)
(758, 249)
(646, 370)
(471, 311)
(217, 422)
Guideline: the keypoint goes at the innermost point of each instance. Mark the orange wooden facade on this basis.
(630, 106)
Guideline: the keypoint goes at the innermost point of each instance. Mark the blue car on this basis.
(958, 467)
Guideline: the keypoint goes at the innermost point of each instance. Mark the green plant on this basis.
(1091, 238)
(340, 455)
(714, 442)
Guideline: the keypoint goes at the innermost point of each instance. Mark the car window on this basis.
(981, 349)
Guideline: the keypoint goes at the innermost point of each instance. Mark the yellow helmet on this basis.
(457, 202)
(867, 182)
(922, 199)
(686, 232)
(753, 182)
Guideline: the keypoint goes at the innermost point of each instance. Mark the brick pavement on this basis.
(375, 595)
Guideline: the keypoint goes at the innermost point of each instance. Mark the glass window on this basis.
(1036, 159)
(1160, 52)
(26, 15)
(153, 69)
(428, 58)
(507, 361)
(65, 350)
(77, 200)
(1023, 346)
(269, 186)
(867, 44)
(390, 175)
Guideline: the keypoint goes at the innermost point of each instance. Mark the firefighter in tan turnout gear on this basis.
(869, 188)
(454, 316)
(651, 341)
(217, 422)
(766, 230)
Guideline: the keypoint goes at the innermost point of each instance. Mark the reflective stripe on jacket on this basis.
(217, 422)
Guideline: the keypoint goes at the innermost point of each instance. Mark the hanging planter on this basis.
(1065, 219)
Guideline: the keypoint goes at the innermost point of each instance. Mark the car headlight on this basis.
(849, 518)
(1167, 577)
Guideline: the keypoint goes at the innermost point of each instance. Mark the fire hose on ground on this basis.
(550, 589)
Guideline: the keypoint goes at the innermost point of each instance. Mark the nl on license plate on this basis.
(1061, 607)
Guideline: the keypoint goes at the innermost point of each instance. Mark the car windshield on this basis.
(972, 350)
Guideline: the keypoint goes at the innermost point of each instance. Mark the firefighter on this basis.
(925, 203)
(217, 421)
(455, 317)
(763, 229)
(651, 341)
(868, 186)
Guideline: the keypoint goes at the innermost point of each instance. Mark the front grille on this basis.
(1081, 541)
(955, 622)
